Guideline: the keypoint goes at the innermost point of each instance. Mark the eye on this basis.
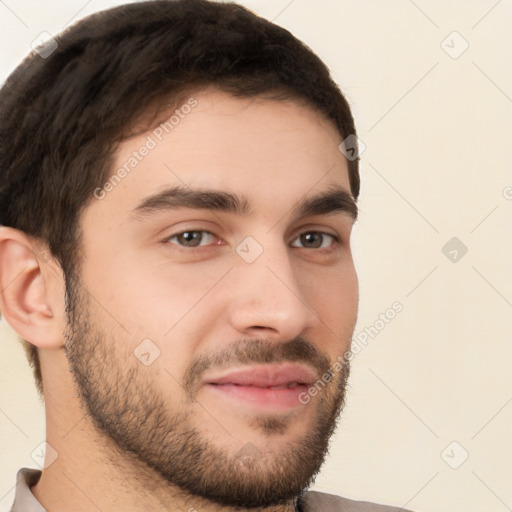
(316, 240)
(191, 238)
(197, 238)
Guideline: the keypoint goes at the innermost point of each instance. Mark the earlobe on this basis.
(27, 297)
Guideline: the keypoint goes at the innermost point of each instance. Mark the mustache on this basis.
(255, 351)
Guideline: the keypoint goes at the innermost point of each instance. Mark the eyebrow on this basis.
(335, 199)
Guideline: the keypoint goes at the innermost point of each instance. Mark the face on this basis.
(216, 290)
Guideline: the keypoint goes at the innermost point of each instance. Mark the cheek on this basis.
(149, 296)
(334, 295)
(335, 284)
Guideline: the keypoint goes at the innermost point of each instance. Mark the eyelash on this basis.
(335, 239)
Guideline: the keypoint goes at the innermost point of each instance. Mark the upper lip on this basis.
(264, 376)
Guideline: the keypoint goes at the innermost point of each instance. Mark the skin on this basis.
(138, 283)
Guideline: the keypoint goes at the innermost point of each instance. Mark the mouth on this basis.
(266, 386)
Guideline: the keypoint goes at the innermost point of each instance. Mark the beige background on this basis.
(437, 165)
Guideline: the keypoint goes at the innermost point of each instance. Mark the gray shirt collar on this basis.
(24, 500)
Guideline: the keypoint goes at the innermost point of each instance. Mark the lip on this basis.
(266, 376)
(269, 387)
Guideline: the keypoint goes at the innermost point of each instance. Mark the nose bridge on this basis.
(268, 292)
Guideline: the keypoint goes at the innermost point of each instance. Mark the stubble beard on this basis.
(133, 419)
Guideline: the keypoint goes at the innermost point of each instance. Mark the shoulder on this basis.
(315, 501)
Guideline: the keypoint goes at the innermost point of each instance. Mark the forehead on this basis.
(271, 152)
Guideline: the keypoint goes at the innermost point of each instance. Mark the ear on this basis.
(31, 289)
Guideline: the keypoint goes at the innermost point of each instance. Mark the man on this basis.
(175, 251)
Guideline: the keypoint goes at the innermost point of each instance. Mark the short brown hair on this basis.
(63, 116)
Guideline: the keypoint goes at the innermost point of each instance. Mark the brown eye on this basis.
(315, 240)
(190, 238)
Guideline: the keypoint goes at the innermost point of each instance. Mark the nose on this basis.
(267, 297)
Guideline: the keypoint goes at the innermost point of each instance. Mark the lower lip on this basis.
(283, 398)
